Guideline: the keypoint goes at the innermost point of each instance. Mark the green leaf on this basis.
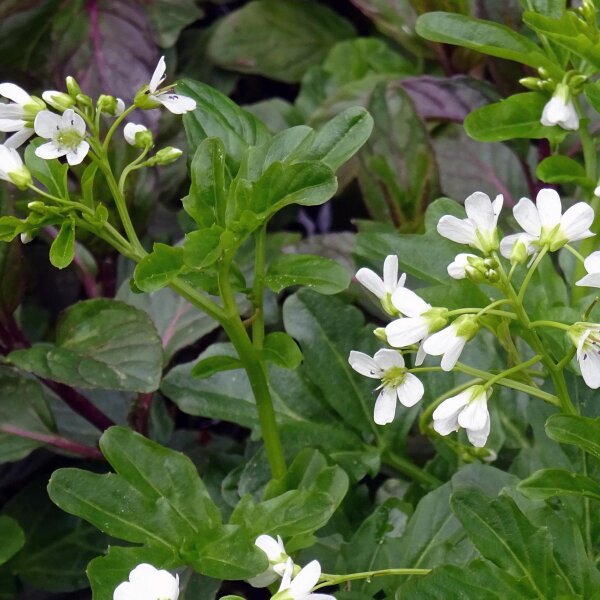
(592, 94)
(100, 343)
(547, 483)
(562, 169)
(486, 37)
(518, 116)
(206, 200)
(550, 8)
(280, 349)
(568, 31)
(52, 174)
(12, 537)
(10, 228)
(341, 137)
(216, 116)
(170, 17)
(504, 535)
(578, 431)
(62, 250)
(215, 364)
(324, 275)
(202, 248)
(159, 268)
(300, 35)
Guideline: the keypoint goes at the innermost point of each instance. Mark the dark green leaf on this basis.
(562, 169)
(214, 364)
(280, 349)
(551, 8)
(579, 431)
(62, 250)
(12, 537)
(324, 275)
(300, 35)
(547, 483)
(159, 268)
(592, 94)
(169, 17)
(202, 248)
(100, 343)
(52, 174)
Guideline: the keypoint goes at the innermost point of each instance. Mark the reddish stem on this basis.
(139, 416)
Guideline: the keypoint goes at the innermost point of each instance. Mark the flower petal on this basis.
(19, 138)
(592, 262)
(549, 207)
(527, 217)
(75, 157)
(411, 390)
(159, 75)
(577, 220)
(478, 437)
(11, 111)
(386, 359)
(452, 354)
(125, 591)
(453, 405)
(589, 363)
(15, 93)
(406, 331)
(370, 280)
(479, 210)
(175, 103)
(47, 123)
(409, 303)
(457, 230)
(269, 546)
(385, 406)
(475, 414)
(71, 120)
(390, 273)
(50, 150)
(440, 342)
(303, 583)
(9, 125)
(589, 280)
(362, 363)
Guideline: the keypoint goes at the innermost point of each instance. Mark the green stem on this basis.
(410, 469)
(258, 324)
(530, 273)
(115, 125)
(554, 324)
(574, 252)
(515, 369)
(477, 312)
(337, 579)
(132, 166)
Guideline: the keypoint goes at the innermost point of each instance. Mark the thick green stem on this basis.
(337, 579)
(258, 324)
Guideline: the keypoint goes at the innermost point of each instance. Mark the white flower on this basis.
(148, 583)
(12, 168)
(478, 230)
(18, 116)
(300, 588)
(468, 410)
(457, 268)
(176, 103)
(130, 130)
(277, 556)
(449, 342)
(66, 133)
(396, 383)
(587, 342)
(592, 266)
(383, 288)
(421, 319)
(545, 225)
(560, 110)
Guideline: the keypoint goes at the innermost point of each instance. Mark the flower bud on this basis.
(58, 100)
(72, 86)
(492, 276)
(108, 104)
(466, 326)
(137, 135)
(26, 237)
(166, 155)
(531, 83)
(519, 254)
(21, 177)
(84, 100)
(37, 206)
(379, 333)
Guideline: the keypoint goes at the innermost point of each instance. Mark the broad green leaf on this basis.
(578, 431)
(216, 116)
(547, 483)
(398, 174)
(202, 248)
(11, 227)
(159, 268)
(592, 94)
(518, 116)
(550, 8)
(62, 250)
(504, 535)
(100, 343)
(52, 174)
(206, 200)
(215, 364)
(324, 275)
(300, 35)
(12, 537)
(281, 350)
(562, 169)
(568, 31)
(170, 17)
(304, 183)
(341, 137)
(486, 37)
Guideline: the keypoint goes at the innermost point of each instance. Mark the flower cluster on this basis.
(423, 329)
(148, 583)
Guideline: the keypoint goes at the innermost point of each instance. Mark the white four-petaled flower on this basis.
(592, 266)
(457, 269)
(396, 383)
(468, 410)
(176, 103)
(545, 225)
(586, 339)
(130, 130)
(560, 110)
(148, 583)
(301, 586)
(17, 116)
(66, 133)
(275, 551)
(383, 288)
(12, 168)
(450, 341)
(479, 229)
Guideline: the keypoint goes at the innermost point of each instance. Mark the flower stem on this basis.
(574, 252)
(530, 273)
(258, 324)
(410, 469)
(337, 579)
(512, 370)
(554, 324)
(478, 312)
(114, 126)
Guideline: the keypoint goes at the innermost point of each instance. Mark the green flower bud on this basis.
(84, 100)
(142, 99)
(37, 206)
(107, 104)
(436, 318)
(58, 100)
(21, 177)
(519, 255)
(379, 333)
(466, 326)
(165, 155)
(531, 83)
(72, 86)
